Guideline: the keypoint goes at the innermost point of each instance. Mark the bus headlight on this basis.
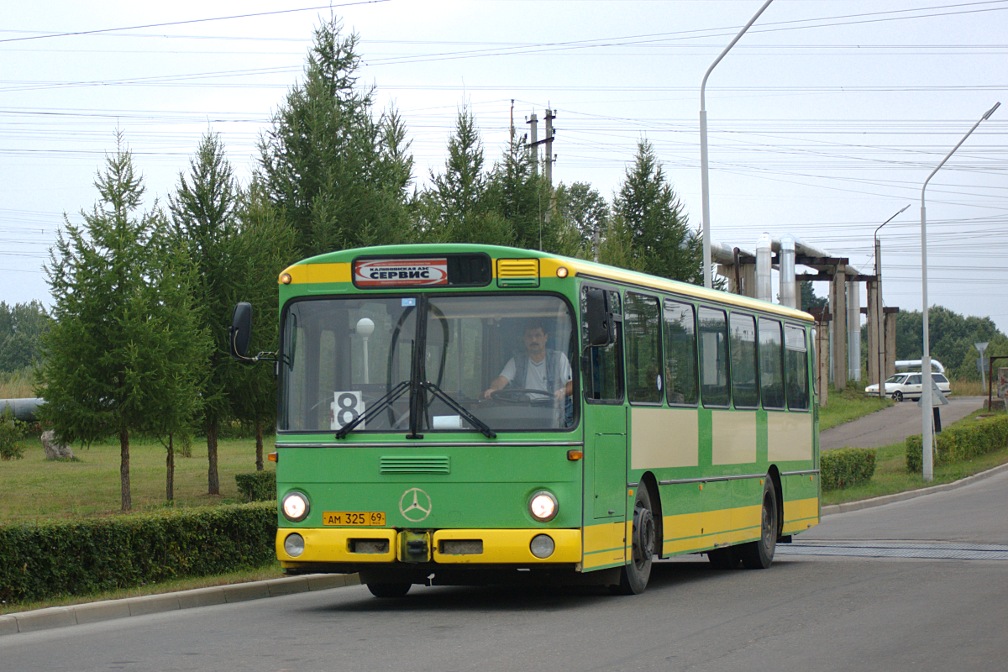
(295, 506)
(543, 506)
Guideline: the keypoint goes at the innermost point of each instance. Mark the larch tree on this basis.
(264, 247)
(116, 354)
(205, 224)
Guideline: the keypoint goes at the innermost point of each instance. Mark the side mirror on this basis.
(601, 326)
(241, 331)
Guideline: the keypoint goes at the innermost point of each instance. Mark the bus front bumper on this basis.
(352, 547)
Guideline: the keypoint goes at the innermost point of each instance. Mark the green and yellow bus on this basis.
(469, 414)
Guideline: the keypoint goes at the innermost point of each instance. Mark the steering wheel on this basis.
(521, 395)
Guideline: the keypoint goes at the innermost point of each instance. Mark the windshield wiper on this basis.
(374, 409)
(460, 409)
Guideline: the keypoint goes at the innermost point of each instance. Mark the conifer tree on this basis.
(204, 223)
(121, 357)
(337, 174)
(661, 241)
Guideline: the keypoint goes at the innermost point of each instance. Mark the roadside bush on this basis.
(960, 442)
(12, 436)
(846, 467)
(40, 561)
(257, 486)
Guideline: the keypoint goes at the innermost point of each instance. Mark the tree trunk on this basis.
(213, 479)
(259, 445)
(124, 470)
(170, 476)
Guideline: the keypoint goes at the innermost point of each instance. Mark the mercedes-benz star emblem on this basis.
(415, 505)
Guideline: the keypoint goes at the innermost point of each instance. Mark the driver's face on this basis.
(535, 341)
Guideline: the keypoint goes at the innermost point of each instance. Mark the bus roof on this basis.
(576, 267)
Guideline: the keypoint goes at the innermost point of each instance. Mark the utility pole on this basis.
(533, 145)
(550, 116)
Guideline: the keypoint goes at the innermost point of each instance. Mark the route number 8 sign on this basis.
(346, 407)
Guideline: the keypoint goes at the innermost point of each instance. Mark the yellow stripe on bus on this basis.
(692, 532)
(318, 273)
(800, 515)
(604, 545)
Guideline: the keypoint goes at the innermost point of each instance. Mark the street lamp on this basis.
(704, 188)
(927, 436)
(878, 303)
(365, 327)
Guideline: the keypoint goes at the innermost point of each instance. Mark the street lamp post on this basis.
(704, 188)
(880, 321)
(927, 435)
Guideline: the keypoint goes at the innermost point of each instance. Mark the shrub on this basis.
(963, 441)
(12, 435)
(846, 467)
(257, 486)
(40, 561)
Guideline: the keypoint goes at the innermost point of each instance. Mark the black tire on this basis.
(389, 589)
(759, 554)
(897, 396)
(636, 573)
(724, 558)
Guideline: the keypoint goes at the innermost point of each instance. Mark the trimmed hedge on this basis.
(258, 486)
(846, 467)
(41, 561)
(960, 442)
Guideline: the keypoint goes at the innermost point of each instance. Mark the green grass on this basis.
(16, 384)
(891, 476)
(38, 489)
(843, 406)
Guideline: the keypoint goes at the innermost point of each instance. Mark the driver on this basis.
(539, 369)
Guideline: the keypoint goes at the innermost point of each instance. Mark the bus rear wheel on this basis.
(636, 573)
(759, 554)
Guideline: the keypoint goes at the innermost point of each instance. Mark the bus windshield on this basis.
(432, 363)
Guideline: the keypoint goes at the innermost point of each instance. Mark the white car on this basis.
(902, 386)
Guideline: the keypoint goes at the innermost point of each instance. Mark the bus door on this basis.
(605, 418)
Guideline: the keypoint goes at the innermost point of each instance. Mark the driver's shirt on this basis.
(536, 374)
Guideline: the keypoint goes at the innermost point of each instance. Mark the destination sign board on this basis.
(400, 272)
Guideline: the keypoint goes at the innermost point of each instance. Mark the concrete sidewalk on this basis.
(893, 424)
(105, 610)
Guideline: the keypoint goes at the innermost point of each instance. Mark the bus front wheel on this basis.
(389, 588)
(636, 573)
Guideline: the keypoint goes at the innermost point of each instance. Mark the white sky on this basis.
(823, 121)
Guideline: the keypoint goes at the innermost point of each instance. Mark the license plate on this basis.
(354, 518)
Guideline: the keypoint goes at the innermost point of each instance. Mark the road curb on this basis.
(106, 610)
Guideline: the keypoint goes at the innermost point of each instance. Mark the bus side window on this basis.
(602, 364)
(745, 390)
(771, 363)
(714, 357)
(643, 348)
(680, 353)
(796, 368)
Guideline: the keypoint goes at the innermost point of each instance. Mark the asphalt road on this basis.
(915, 585)
(893, 424)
